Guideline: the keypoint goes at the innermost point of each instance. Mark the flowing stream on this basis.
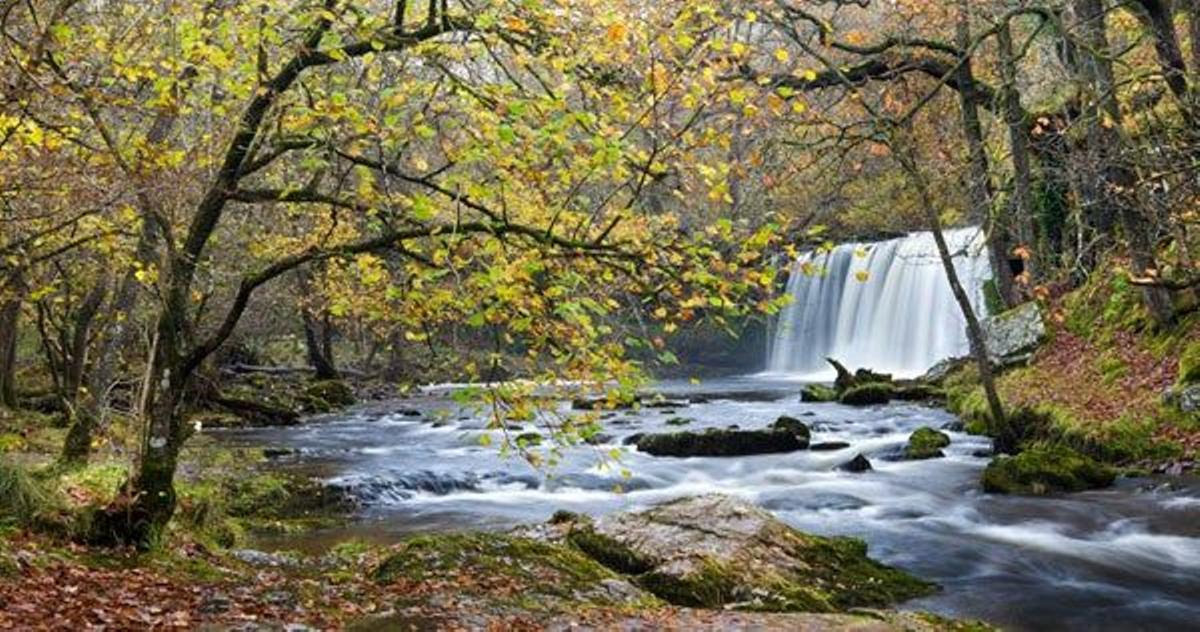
(1121, 559)
(1126, 558)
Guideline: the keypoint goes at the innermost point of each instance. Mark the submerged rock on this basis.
(868, 394)
(717, 551)
(826, 446)
(858, 464)
(678, 421)
(1046, 469)
(926, 443)
(714, 442)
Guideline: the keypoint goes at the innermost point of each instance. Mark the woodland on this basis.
(228, 223)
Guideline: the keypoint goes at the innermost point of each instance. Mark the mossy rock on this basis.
(335, 393)
(926, 443)
(818, 393)
(919, 392)
(714, 442)
(1045, 469)
(508, 570)
(678, 421)
(716, 551)
(794, 426)
(529, 439)
(608, 551)
(868, 394)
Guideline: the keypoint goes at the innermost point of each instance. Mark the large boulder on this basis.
(1045, 469)
(1011, 336)
(716, 551)
(926, 443)
(715, 442)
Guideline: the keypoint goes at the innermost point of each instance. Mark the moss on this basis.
(23, 499)
(609, 551)
(919, 392)
(529, 439)
(1189, 364)
(507, 569)
(1112, 368)
(926, 443)
(818, 393)
(712, 586)
(794, 426)
(335, 392)
(992, 300)
(1045, 469)
(868, 394)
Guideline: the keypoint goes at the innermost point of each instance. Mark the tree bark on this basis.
(78, 443)
(1118, 182)
(1193, 21)
(979, 186)
(11, 292)
(318, 334)
(1023, 203)
(1158, 17)
(1004, 438)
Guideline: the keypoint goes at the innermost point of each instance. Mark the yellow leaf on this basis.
(862, 276)
(781, 55)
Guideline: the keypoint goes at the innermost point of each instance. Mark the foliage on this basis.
(23, 499)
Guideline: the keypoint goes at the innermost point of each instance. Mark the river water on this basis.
(1127, 558)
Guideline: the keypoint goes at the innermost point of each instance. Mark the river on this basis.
(1126, 558)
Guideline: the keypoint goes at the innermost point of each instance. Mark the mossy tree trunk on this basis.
(11, 291)
(1022, 200)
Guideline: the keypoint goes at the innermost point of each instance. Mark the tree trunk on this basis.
(979, 186)
(1023, 204)
(11, 292)
(1004, 438)
(78, 443)
(1158, 17)
(1118, 182)
(318, 335)
(1193, 21)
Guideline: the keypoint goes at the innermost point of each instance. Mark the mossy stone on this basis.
(1045, 469)
(868, 394)
(714, 442)
(926, 443)
(794, 426)
(818, 393)
(329, 393)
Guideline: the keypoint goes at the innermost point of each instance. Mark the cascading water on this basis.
(885, 305)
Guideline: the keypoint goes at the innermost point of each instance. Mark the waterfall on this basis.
(884, 305)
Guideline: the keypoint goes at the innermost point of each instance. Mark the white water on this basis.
(899, 318)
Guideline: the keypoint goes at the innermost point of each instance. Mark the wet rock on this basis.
(1045, 469)
(827, 446)
(408, 412)
(957, 425)
(1010, 336)
(858, 464)
(599, 439)
(717, 551)
(943, 368)
(982, 454)
(632, 439)
(276, 453)
(926, 443)
(679, 421)
(818, 393)
(794, 426)
(664, 403)
(529, 439)
(869, 394)
(714, 442)
(667, 411)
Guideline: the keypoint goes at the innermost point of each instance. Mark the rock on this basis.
(926, 443)
(1013, 334)
(827, 446)
(982, 454)
(599, 439)
(665, 411)
(1045, 469)
(259, 558)
(1185, 397)
(714, 442)
(716, 551)
(604, 403)
(664, 403)
(794, 426)
(554, 575)
(331, 393)
(818, 393)
(868, 394)
(957, 425)
(858, 464)
(678, 421)
(275, 453)
(943, 368)
(632, 439)
(408, 412)
(918, 392)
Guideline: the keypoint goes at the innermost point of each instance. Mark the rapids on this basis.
(1127, 558)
